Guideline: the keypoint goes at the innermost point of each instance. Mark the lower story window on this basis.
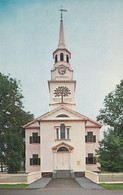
(90, 159)
(35, 160)
(63, 149)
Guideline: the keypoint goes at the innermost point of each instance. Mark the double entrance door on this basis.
(63, 160)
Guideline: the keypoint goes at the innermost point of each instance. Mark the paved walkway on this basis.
(40, 183)
(63, 184)
(60, 191)
(88, 184)
(77, 183)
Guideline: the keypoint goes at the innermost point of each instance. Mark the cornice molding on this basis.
(32, 128)
(61, 120)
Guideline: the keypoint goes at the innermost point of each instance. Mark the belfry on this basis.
(62, 139)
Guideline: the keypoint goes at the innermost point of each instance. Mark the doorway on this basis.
(63, 161)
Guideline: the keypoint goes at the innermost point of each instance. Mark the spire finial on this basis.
(61, 34)
(61, 15)
(62, 10)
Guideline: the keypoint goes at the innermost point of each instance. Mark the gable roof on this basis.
(62, 108)
(71, 116)
(33, 122)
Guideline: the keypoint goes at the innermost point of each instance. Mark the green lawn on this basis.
(12, 186)
(113, 186)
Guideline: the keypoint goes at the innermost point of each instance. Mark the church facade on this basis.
(61, 139)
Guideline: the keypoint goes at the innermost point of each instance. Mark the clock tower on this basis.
(62, 86)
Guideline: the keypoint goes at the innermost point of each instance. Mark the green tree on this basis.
(111, 152)
(112, 113)
(12, 118)
(111, 147)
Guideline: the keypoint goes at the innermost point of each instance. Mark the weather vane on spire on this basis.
(63, 10)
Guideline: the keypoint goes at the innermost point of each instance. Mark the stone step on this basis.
(63, 174)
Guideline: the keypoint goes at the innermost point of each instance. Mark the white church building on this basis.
(61, 139)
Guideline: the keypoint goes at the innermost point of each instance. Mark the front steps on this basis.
(63, 174)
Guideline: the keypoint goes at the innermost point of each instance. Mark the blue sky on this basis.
(93, 29)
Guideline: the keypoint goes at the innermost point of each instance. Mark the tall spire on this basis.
(61, 34)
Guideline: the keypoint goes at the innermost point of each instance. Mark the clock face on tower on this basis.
(62, 69)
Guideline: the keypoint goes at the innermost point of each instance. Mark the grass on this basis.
(12, 186)
(112, 186)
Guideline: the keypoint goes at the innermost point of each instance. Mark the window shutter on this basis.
(31, 161)
(94, 138)
(86, 139)
(38, 161)
(39, 139)
(31, 140)
(86, 160)
(95, 160)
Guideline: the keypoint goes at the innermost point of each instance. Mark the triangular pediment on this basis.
(33, 124)
(62, 112)
(63, 144)
(91, 123)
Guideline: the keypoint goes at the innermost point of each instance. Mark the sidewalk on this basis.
(40, 183)
(64, 184)
(87, 184)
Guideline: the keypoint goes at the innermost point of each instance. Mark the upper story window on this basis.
(57, 133)
(34, 138)
(56, 58)
(90, 159)
(35, 160)
(67, 133)
(90, 137)
(62, 132)
(62, 115)
(61, 57)
(67, 58)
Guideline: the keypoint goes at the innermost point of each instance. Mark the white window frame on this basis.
(58, 136)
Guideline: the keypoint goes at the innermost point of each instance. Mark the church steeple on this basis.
(61, 44)
(61, 54)
(62, 86)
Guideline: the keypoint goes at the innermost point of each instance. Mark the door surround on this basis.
(62, 156)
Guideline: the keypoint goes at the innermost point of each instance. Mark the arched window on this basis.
(61, 57)
(62, 131)
(62, 115)
(67, 58)
(55, 58)
(62, 149)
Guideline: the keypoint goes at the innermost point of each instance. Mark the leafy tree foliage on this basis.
(111, 152)
(112, 113)
(111, 147)
(12, 118)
